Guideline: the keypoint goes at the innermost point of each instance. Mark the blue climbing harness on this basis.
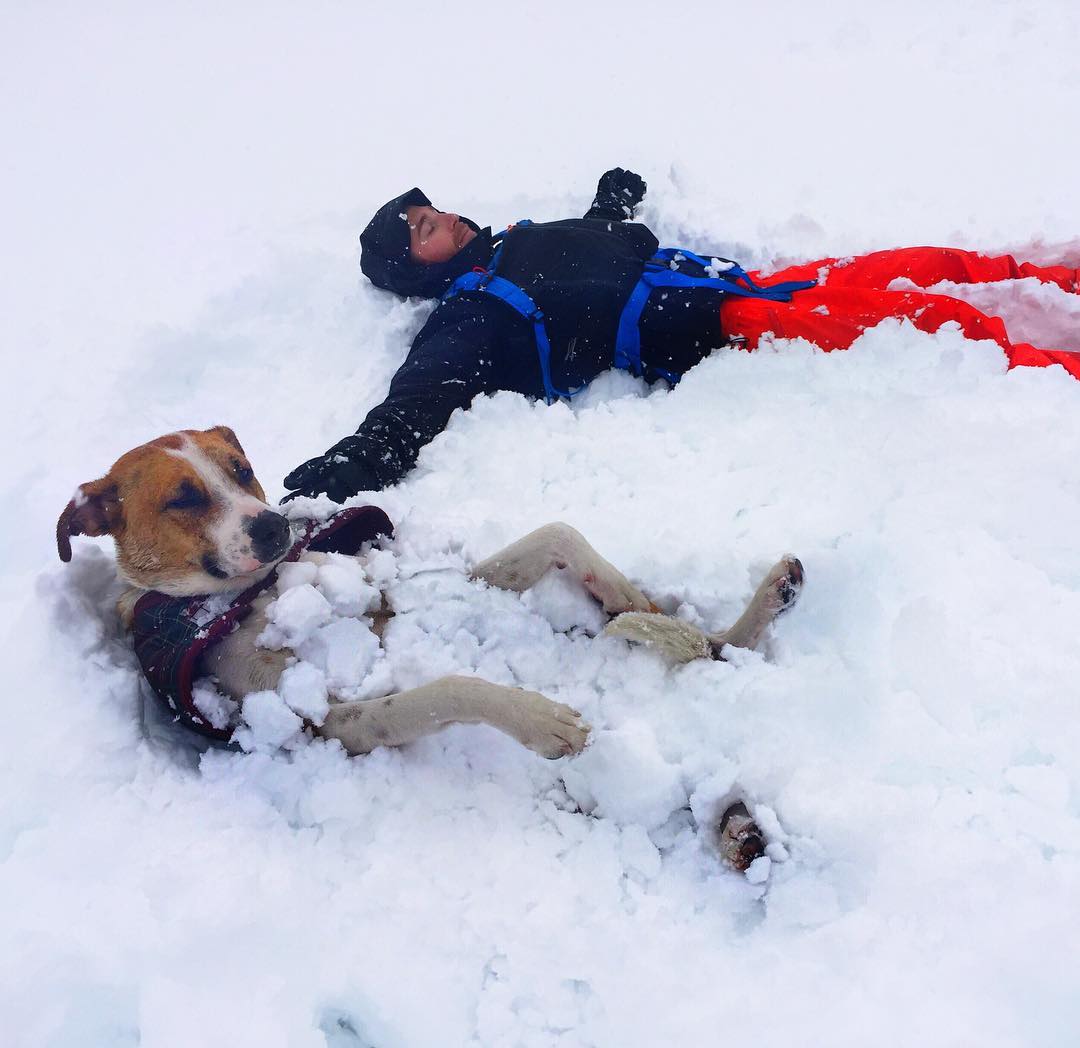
(662, 270)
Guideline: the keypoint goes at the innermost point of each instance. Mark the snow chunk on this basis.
(294, 616)
(382, 567)
(303, 689)
(344, 583)
(717, 266)
(345, 650)
(218, 709)
(269, 723)
(564, 603)
(627, 776)
(296, 573)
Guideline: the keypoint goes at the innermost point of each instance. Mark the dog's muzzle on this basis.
(269, 533)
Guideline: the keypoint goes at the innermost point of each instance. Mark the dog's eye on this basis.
(188, 497)
(243, 472)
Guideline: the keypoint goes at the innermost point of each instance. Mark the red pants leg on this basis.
(833, 317)
(923, 266)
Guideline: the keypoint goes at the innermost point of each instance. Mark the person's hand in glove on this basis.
(335, 474)
(618, 192)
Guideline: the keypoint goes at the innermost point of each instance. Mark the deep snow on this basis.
(182, 194)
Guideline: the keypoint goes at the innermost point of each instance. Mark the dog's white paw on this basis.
(549, 728)
(614, 591)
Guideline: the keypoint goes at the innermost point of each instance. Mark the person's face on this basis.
(435, 236)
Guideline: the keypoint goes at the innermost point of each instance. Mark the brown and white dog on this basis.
(189, 518)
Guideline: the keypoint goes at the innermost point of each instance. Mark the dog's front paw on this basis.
(785, 583)
(549, 728)
(614, 591)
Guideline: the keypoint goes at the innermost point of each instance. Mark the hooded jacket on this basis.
(385, 258)
(580, 272)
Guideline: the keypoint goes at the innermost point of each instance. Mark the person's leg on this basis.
(1021, 354)
(833, 317)
(924, 266)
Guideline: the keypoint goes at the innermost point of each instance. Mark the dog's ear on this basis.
(94, 510)
(228, 436)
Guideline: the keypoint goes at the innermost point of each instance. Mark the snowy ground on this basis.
(181, 199)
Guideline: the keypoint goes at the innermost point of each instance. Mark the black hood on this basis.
(385, 258)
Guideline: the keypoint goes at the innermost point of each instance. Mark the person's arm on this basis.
(617, 194)
(443, 372)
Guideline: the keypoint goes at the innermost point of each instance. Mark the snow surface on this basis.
(182, 191)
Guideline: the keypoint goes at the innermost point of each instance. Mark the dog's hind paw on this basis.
(785, 579)
(738, 837)
(676, 640)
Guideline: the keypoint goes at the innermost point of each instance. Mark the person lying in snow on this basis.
(542, 309)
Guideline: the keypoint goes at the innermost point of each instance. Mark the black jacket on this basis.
(580, 273)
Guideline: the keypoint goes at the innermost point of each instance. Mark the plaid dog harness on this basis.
(172, 633)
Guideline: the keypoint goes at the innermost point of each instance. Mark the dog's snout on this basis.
(269, 533)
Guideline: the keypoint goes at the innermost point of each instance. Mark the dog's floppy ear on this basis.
(228, 436)
(94, 510)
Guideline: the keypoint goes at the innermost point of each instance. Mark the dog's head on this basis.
(187, 514)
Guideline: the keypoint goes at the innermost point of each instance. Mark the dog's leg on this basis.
(526, 561)
(237, 661)
(676, 640)
(680, 641)
(777, 593)
(545, 727)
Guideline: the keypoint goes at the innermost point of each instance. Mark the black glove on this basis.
(335, 473)
(618, 192)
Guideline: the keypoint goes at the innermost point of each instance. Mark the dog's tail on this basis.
(676, 640)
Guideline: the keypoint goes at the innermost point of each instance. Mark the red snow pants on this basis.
(851, 296)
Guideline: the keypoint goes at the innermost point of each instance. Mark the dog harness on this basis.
(667, 268)
(171, 634)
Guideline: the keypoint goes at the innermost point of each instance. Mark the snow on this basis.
(182, 195)
(268, 723)
(304, 690)
(347, 653)
(295, 616)
(1037, 313)
(218, 709)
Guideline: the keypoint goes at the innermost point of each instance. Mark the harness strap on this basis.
(522, 303)
(658, 273)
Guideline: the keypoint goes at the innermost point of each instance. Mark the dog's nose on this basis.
(269, 533)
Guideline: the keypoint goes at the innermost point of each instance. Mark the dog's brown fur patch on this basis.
(154, 545)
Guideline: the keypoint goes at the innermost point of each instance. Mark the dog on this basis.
(191, 523)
